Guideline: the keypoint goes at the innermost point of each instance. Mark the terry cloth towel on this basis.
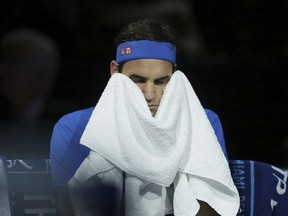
(177, 146)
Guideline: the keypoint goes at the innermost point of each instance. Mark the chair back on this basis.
(262, 188)
(30, 187)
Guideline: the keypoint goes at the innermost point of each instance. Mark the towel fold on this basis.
(177, 146)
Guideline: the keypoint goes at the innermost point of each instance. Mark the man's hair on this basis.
(145, 29)
(36, 49)
(31, 41)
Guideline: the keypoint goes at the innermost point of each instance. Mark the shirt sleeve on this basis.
(217, 126)
(66, 152)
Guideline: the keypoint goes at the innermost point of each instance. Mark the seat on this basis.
(30, 187)
(262, 188)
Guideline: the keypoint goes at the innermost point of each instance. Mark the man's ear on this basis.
(174, 67)
(113, 67)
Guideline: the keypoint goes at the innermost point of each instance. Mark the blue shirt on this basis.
(67, 154)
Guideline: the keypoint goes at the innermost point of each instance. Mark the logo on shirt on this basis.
(126, 50)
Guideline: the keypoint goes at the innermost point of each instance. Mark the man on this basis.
(29, 64)
(28, 67)
(146, 54)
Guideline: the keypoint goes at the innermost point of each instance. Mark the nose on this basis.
(149, 91)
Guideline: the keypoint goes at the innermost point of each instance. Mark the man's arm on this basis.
(217, 127)
(66, 155)
(205, 209)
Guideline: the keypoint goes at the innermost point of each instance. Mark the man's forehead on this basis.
(148, 76)
(148, 67)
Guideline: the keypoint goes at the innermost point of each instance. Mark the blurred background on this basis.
(234, 53)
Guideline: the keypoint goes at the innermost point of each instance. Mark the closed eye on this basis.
(137, 79)
(162, 80)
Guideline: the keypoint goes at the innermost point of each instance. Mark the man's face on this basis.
(19, 80)
(151, 76)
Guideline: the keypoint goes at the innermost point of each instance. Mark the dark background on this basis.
(237, 63)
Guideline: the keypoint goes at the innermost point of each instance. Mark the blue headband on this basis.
(146, 49)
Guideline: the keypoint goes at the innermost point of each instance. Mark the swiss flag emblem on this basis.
(126, 50)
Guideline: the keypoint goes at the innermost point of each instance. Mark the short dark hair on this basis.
(145, 29)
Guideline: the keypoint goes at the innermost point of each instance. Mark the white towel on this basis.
(177, 146)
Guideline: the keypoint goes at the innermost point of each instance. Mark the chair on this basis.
(30, 187)
(262, 188)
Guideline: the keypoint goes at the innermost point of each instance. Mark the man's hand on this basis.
(206, 210)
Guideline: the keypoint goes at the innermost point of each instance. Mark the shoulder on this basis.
(212, 116)
(75, 118)
(70, 127)
(211, 113)
(66, 152)
(217, 127)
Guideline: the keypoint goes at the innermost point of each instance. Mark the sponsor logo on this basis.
(126, 50)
